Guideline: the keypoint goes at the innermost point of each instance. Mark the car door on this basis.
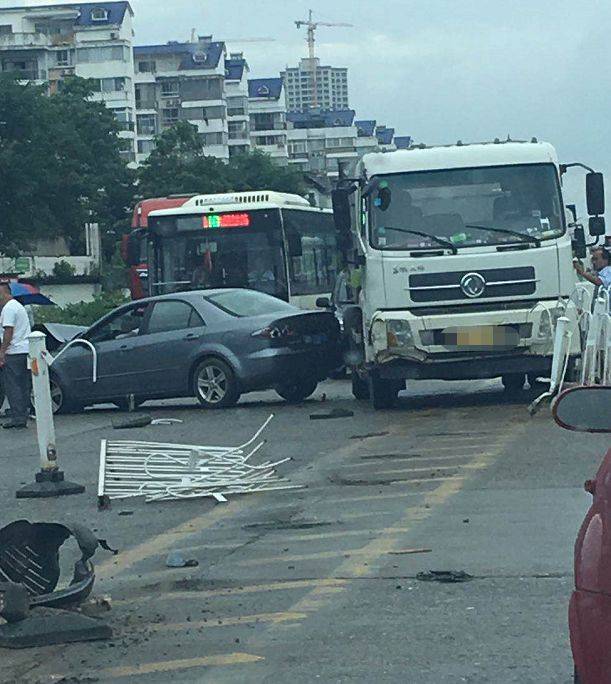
(119, 366)
(167, 347)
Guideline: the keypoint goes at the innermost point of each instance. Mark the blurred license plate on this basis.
(483, 336)
(315, 339)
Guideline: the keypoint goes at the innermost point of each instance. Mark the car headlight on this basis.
(399, 334)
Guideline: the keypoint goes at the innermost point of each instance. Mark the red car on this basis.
(588, 409)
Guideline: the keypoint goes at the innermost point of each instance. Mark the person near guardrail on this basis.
(15, 328)
(601, 258)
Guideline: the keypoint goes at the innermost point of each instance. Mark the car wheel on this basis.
(360, 387)
(513, 382)
(383, 393)
(215, 384)
(60, 401)
(298, 390)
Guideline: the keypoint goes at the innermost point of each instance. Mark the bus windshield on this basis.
(468, 207)
(232, 249)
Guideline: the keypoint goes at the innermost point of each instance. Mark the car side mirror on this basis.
(596, 226)
(584, 409)
(323, 303)
(595, 193)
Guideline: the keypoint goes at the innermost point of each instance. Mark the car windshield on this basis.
(243, 303)
(467, 207)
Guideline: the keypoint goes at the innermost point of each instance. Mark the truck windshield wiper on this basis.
(440, 241)
(505, 231)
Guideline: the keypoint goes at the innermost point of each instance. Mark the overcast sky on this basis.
(438, 70)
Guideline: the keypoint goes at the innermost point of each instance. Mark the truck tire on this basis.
(360, 387)
(383, 393)
(513, 382)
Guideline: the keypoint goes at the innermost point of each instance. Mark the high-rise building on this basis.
(47, 44)
(312, 86)
(182, 82)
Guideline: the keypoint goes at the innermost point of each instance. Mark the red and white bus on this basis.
(268, 241)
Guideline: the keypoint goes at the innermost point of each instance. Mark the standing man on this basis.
(15, 328)
(600, 262)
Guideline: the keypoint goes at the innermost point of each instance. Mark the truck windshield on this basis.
(233, 249)
(468, 207)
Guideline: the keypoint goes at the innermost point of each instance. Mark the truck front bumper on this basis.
(450, 346)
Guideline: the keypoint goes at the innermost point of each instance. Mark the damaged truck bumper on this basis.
(485, 344)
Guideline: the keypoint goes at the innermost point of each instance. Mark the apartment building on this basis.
(312, 86)
(181, 82)
(46, 44)
(320, 140)
(238, 111)
(268, 117)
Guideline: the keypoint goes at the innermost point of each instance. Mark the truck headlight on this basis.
(399, 334)
(548, 322)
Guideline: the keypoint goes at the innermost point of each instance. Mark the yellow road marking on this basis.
(232, 591)
(173, 665)
(458, 466)
(227, 622)
(412, 458)
(373, 497)
(358, 477)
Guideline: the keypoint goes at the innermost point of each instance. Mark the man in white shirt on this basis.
(600, 262)
(15, 328)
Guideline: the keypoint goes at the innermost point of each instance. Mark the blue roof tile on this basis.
(270, 88)
(212, 53)
(116, 13)
(234, 69)
(366, 128)
(385, 135)
(321, 118)
(403, 142)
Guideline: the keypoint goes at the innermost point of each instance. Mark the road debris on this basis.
(175, 559)
(333, 413)
(403, 552)
(132, 422)
(446, 576)
(162, 472)
(166, 421)
(369, 435)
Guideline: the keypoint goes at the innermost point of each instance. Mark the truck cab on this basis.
(465, 260)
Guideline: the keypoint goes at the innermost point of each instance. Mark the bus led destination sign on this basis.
(235, 220)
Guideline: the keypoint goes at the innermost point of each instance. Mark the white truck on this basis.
(464, 256)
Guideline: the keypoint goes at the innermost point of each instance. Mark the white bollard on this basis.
(41, 391)
(49, 481)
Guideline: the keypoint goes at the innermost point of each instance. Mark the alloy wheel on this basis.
(212, 384)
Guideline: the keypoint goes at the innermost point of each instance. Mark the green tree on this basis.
(179, 164)
(60, 164)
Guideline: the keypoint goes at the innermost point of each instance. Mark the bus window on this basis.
(315, 269)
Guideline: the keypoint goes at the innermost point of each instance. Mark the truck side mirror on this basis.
(579, 243)
(595, 193)
(133, 248)
(596, 226)
(341, 209)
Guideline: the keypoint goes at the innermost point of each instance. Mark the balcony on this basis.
(146, 104)
(24, 40)
(26, 74)
(268, 126)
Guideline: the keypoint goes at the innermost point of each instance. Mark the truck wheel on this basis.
(513, 382)
(360, 387)
(298, 390)
(383, 393)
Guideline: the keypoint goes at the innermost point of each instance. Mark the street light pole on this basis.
(50, 480)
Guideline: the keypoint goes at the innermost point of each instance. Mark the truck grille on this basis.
(472, 285)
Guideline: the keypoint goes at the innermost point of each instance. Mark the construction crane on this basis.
(311, 27)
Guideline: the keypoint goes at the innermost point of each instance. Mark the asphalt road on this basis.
(314, 584)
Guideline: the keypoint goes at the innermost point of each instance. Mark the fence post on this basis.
(49, 481)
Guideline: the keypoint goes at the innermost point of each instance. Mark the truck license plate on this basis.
(482, 337)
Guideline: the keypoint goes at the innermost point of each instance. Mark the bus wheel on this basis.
(360, 387)
(383, 393)
(215, 384)
(298, 390)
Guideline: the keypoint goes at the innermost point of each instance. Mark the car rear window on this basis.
(243, 303)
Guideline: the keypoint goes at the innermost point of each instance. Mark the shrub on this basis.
(62, 270)
(82, 313)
